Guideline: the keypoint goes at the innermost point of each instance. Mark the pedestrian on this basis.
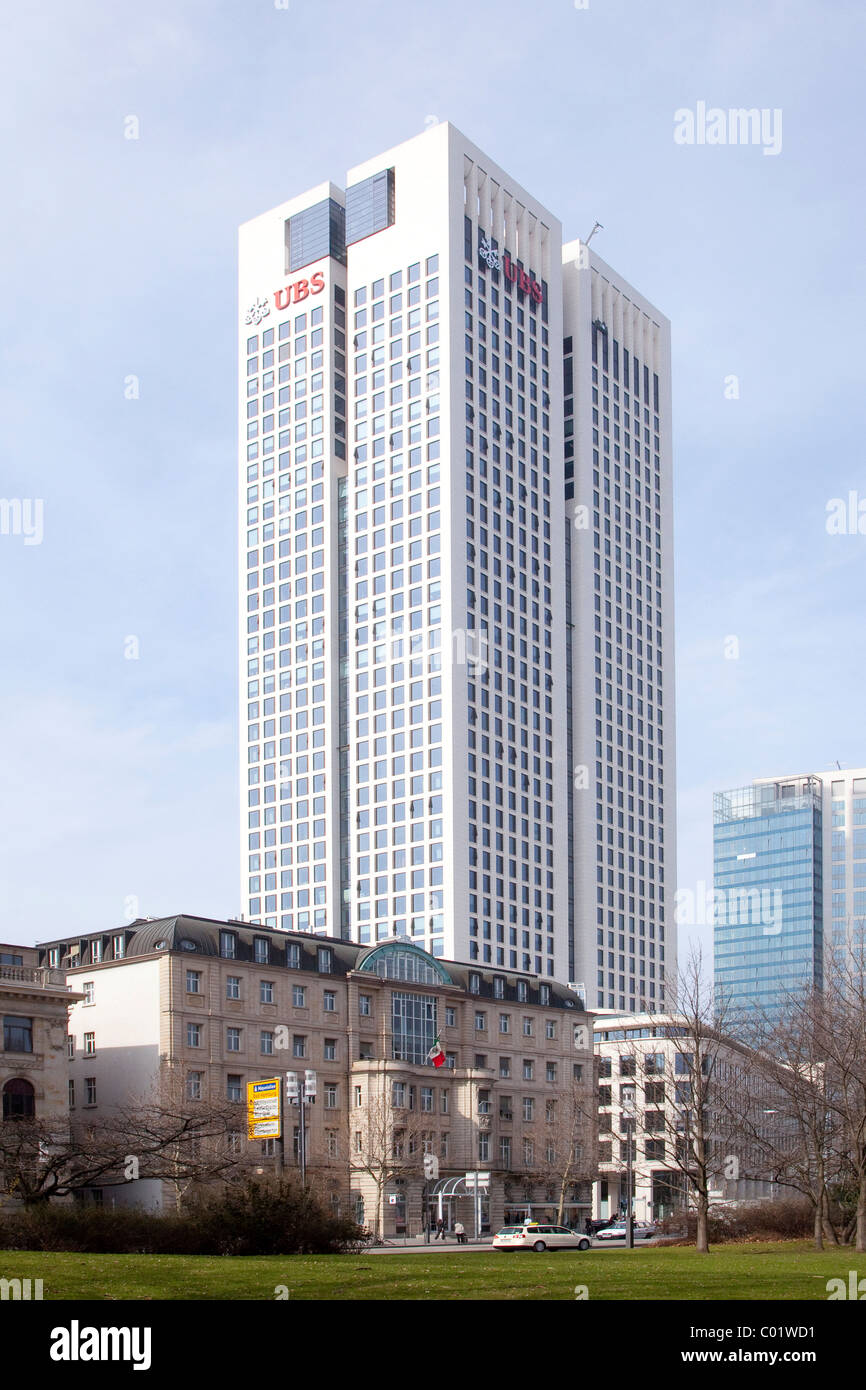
(440, 1229)
(460, 1232)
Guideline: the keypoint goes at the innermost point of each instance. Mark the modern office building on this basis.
(456, 628)
(646, 1101)
(200, 1008)
(789, 883)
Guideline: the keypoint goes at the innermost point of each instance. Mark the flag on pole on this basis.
(436, 1055)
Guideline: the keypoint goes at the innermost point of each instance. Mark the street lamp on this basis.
(628, 1116)
(301, 1091)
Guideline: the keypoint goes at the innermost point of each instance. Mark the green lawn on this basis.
(789, 1270)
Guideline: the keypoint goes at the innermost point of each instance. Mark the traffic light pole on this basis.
(301, 1091)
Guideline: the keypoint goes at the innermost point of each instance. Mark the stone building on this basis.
(34, 1004)
(227, 1003)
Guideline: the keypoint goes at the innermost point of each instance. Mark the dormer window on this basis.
(474, 983)
(325, 960)
(96, 951)
(228, 945)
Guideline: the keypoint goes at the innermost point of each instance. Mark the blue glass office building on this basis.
(768, 893)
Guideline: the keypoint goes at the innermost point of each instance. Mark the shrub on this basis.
(255, 1219)
(786, 1219)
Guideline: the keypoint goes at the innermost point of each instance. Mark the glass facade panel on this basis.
(413, 1026)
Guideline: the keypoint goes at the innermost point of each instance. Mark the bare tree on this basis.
(160, 1136)
(561, 1150)
(698, 1127)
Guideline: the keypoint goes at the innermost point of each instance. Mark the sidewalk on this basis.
(408, 1244)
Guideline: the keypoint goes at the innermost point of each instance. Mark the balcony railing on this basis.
(40, 975)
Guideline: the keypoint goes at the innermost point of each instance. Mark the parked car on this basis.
(596, 1226)
(538, 1236)
(643, 1230)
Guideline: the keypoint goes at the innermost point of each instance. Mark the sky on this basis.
(135, 140)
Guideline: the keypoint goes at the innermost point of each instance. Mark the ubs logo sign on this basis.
(522, 281)
(289, 294)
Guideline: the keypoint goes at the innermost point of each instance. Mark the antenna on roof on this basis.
(597, 228)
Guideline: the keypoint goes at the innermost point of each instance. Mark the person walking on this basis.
(460, 1232)
(440, 1229)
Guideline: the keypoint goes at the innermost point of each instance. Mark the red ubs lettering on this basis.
(298, 290)
(527, 284)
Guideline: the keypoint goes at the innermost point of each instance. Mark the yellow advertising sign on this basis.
(263, 1109)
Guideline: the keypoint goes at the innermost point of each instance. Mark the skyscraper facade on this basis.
(416, 598)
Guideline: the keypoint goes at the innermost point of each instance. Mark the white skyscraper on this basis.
(405, 536)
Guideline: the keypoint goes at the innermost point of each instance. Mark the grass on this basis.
(770, 1271)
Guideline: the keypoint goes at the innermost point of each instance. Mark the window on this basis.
(480, 1022)
(330, 1001)
(504, 1066)
(193, 982)
(551, 1071)
(233, 1039)
(193, 1035)
(481, 1060)
(228, 945)
(193, 1085)
(293, 956)
(262, 950)
(325, 959)
(450, 1018)
(90, 1090)
(233, 987)
(504, 1023)
(450, 1061)
(299, 996)
(234, 1086)
(96, 951)
(627, 1066)
(331, 1095)
(359, 1146)
(474, 983)
(505, 1151)
(118, 946)
(498, 987)
(17, 1033)
(528, 1109)
(544, 994)
(331, 1143)
(266, 991)
(267, 1042)
(484, 1148)
(683, 1063)
(426, 1097)
(527, 1027)
(87, 991)
(70, 1046)
(604, 1066)
(413, 1026)
(330, 1049)
(655, 1149)
(654, 1063)
(443, 1102)
(483, 1102)
(505, 1110)
(90, 1044)
(299, 1045)
(398, 1094)
(71, 1094)
(605, 1095)
(550, 1028)
(528, 1069)
(521, 991)
(364, 1005)
(359, 1099)
(19, 1099)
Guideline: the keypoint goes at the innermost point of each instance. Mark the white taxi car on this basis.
(539, 1236)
